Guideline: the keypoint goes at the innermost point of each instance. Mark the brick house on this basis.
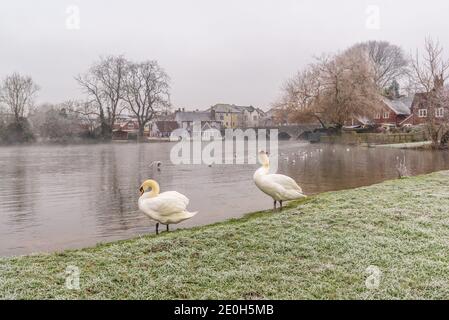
(163, 128)
(420, 113)
(127, 129)
(390, 112)
(393, 111)
(422, 109)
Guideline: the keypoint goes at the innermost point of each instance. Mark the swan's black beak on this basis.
(141, 191)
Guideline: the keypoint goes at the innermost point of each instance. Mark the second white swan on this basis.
(278, 186)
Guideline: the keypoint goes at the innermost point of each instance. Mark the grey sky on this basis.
(214, 51)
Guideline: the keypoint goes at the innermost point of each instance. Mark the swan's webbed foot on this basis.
(167, 228)
(280, 202)
(157, 228)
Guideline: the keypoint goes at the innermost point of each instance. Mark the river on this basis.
(58, 197)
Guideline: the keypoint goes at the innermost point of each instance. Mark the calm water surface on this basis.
(57, 197)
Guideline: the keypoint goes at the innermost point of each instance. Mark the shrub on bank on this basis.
(17, 132)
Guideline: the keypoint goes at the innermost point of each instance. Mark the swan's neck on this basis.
(262, 171)
(154, 186)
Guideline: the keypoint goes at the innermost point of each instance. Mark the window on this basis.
(254, 118)
(386, 115)
(130, 125)
(377, 116)
(439, 113)
(221, 117)
(422, 113)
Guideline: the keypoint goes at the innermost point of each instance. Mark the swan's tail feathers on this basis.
(189, 215)
(296, 195)
(300, 196)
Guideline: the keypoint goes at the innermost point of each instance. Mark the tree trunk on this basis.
(106, 132)
(433, 133)
(444, 140)
(105, 128)
(141, 132)
(321, 122)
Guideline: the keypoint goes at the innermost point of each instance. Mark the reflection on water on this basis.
(56, 197)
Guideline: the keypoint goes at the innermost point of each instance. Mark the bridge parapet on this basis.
(290, 131)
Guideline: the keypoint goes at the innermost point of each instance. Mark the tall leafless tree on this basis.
(103, 83)
(348, 90)
(299, 95)
(333, 90)
(17, 92)
(389, 61)
(429, 73)
(146, 91)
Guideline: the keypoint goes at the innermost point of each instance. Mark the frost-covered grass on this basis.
(316, 249)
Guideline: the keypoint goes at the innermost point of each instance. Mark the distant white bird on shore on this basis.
(278, 186)
(166, 208)
(156, 164)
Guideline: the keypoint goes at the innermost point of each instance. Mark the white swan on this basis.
(279, 187)
(167, 207)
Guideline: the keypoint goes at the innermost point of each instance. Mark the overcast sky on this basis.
(214, 51)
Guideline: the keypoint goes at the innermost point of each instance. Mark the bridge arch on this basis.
(287, 132)
(283, 135)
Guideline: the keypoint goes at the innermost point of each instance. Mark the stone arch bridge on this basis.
(288, 132)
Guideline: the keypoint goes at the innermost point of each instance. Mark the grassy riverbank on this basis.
(317, 249)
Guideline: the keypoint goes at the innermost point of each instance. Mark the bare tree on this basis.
(300, 93)
(17, 92)
(334, 90)
(429, 72)
(103, 83)
(87, 114)
(348, 90)
(146, 91)
(389, 61)
(56, 122)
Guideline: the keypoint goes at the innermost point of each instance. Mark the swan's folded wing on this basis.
(166, 203)
(285, 181)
